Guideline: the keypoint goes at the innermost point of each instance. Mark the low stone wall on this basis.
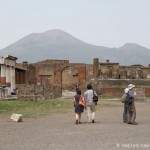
(102, 87)
(122, 83)
(38, 92)
(147, 91)
(110, 91)
(116, 87)
(116, 92)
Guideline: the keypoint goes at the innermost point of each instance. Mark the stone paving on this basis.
(59, 132)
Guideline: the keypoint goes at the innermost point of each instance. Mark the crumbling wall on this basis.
(38, 92)
(116, 87)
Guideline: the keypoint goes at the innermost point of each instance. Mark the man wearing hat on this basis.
(129, 114)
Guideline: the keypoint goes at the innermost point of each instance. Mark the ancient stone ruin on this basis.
(47, 79)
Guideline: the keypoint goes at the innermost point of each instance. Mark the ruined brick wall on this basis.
(81, 73)
(116, 87)
(31, 74)
(3, 80)
(145, 72)
(109, 70)
(72, 74)
(89, 72)
(53, 62)
(134, 72)
(48, 73)
(45, 73)
(110, 91)
(32, 92)
(116, 91)
(147, 91)
(123, 83)
(64, 74)
(55, 72)
(69, 77)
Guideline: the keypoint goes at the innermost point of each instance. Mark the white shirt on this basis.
(88, 96)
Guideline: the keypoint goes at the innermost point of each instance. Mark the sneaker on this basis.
(93, 121)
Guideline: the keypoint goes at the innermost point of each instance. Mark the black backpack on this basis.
(129, 99)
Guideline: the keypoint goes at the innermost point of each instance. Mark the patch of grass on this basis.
(35, 108)
(43, 107)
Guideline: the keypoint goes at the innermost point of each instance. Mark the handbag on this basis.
(95, 98)
(123, 98)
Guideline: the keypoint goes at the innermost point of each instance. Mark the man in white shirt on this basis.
(90, 105)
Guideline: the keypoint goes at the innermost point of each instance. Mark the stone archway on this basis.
(69, 78)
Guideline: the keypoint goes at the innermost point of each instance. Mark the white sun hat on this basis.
(130, 86)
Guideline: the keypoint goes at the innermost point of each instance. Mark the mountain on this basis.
(57, 44)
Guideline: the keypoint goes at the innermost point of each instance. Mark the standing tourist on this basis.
(78, 108)
(125, 117)
(129, 114)
(90, 105)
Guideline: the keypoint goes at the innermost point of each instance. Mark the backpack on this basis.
(81, 101)
(129, 99)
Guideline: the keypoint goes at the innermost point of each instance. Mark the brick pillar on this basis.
(17, 77)
(95, 67)
(26, 73)
(22, 77)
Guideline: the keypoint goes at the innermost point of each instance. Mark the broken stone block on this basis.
(16, 117)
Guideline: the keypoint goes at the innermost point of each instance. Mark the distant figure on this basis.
(14, 92)
(77, 86)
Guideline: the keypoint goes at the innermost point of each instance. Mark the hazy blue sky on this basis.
(110, 23)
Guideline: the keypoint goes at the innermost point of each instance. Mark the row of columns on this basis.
(8, 77)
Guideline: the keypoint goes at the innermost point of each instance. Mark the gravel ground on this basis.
(59, 132)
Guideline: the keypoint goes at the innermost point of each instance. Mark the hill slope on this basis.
(57, 44)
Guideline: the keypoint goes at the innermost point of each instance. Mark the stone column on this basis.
(8, 79)
(12, 80)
